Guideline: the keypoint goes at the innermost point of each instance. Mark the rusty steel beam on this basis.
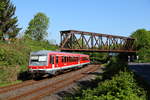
(96, 50)
(73, 40)
(93, 33)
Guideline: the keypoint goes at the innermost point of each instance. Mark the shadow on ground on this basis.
(142, 74)
(80, 85)
(24, 76)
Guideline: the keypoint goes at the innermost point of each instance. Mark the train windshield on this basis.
(38, 60)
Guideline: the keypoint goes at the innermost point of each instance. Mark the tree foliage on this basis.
(8, 22)
(142, 43)
(38, 26)
(142, 37)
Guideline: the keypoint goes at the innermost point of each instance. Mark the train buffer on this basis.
(142, 70)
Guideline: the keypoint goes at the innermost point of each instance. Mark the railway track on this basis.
(15, 86)
(34, 90)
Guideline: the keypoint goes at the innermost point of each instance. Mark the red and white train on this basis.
(50, 62)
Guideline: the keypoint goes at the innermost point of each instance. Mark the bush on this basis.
(8, 74)
(113, 67)
(144, 55)
(120, 87)
(13, 55)
(39, 45)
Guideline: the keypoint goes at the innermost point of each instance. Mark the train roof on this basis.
(45, 52)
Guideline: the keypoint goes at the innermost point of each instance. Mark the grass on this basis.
(10, 83)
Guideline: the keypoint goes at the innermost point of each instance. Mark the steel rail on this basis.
(28, 93)
(61, 85)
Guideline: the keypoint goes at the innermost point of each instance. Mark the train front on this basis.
(38, 63)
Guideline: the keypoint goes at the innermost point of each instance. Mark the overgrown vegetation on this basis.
(14, 57)
(121, 87)
(14, 52)
(117, 83)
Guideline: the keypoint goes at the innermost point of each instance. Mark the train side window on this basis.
(72, 59)
(62, 59)
(51, 59)
(76, 59)
(65, 59)
(56, 59)
(69, 59)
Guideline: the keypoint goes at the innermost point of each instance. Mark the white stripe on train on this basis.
(53, 70)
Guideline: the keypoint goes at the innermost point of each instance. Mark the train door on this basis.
(57, 62)
(60, 61)
(52, 61)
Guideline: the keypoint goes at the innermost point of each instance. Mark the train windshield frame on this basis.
(38, 60)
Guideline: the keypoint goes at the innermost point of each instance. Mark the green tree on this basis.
(142, 43)
(37, 29)
(8, 22)
(142, 38)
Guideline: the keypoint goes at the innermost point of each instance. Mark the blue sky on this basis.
(117, 17)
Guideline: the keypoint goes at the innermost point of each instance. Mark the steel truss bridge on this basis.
(73, 40)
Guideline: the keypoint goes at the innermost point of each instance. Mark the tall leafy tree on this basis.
(142, 42)
(142, 37)
(8, 20)
(38, 27)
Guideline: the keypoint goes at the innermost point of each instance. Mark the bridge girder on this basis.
(73, 40)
